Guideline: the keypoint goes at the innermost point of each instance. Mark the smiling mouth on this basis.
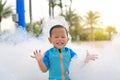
(60, 43)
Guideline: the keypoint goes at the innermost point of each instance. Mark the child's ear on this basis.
(68, 39)
(49, 40)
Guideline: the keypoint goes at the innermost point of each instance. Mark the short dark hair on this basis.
(57, 26)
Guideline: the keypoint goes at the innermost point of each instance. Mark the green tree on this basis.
(36, 27)
(92, 19)
(53, 4)
(75, 23)
(100, 35)
(5, 11)
(30, 15)
(50, 1)
(60, 5)
(110, 30)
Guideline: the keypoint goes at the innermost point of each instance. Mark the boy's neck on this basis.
(59, 50)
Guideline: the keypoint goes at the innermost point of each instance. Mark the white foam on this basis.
(16, 63)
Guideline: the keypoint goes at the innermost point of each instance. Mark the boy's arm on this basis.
(39, 57)
(42, 65)
(90, 57)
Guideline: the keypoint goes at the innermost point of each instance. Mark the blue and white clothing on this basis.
(53, 62)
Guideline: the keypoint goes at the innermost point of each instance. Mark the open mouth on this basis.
(59, 43)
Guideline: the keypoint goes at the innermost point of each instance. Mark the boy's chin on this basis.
(60, 48)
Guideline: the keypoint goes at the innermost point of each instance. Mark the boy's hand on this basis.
(37, 55)
(90, 57)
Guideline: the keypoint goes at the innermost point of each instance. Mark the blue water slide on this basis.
(21, 13)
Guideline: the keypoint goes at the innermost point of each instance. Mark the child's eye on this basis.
(60, 37)
(56, 37)
(63, 36)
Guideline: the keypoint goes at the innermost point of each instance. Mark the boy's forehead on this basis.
(58, 29)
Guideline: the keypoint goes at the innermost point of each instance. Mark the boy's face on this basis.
(59, 38)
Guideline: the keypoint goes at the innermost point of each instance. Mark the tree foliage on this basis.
(5, 11)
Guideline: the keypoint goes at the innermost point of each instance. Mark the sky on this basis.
(108, 9)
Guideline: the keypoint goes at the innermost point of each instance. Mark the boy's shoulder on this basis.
(49, 50)
(71, 51)
(67, 48)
